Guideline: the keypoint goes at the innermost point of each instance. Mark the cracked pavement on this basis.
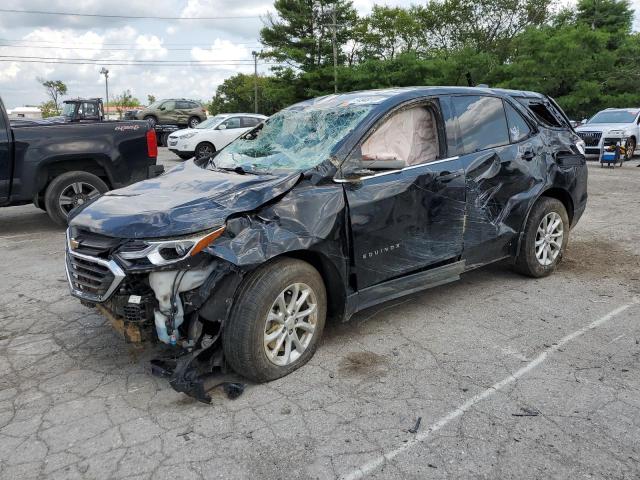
(77, 402)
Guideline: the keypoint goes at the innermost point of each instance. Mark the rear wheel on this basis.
(70, 190)
(204, 149)
(545, 238)
(277, 320)
(193, 122)
(151, 119)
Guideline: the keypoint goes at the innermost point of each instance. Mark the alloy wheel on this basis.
(76, 194)
(290, 324)
(194, 122)
(204, 151)
(549, 238)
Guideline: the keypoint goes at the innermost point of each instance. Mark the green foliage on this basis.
(55, 89)
(151, 99)
(585, 57)
(48, 109)
(124, 102)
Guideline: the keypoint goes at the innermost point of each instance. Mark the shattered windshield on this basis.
(292, 139)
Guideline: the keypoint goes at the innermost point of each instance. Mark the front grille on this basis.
(92, 279)
(591, 139)
(92, 244)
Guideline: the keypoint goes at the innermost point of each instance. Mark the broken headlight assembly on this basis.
(167, 251)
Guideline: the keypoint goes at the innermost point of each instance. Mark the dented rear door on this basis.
(501, 165)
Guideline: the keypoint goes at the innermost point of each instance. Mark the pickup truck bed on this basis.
(60, 165)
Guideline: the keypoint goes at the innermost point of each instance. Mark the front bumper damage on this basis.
(171, 307)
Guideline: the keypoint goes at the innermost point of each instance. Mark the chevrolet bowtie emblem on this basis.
(74, 244)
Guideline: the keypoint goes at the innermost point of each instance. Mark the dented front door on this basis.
(406, 221)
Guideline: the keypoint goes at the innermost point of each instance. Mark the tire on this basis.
(193, 122)
(631, 147)
(77, 188)
(528, 262)
(252, 318)
(204, 149)
(152, 120)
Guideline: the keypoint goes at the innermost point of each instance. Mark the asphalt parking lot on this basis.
(511, 377)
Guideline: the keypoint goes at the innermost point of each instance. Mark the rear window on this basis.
(482, 122)
(544, 112)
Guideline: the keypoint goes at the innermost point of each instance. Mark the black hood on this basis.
(185, 200)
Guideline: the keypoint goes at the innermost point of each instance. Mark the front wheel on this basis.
(545, 239)
(70, 190)
(152, 120)
(204, 149)
(630, 148)
(277, 320)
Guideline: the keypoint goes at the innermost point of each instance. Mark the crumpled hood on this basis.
(187, 199)
(604, 127)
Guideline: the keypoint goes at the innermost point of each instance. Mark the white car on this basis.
(608, 126)
(212, 134)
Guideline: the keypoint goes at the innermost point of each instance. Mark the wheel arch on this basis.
(53, 168)
(553, 192)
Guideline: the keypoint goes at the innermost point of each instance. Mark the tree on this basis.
(300, 33)
(151, 99)
(613, 16)
(124, 102)
(48, 109)
(55, 89)
(236, 94)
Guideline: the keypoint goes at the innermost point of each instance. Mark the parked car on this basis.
(130, 114)
(63, 164)
(329, 207)
(212, 135)
(178, 111)
(610, 124)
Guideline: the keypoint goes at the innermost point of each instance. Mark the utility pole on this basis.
(105, 72)
(335, 51)
(255, 79)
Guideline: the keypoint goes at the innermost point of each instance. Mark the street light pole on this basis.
(105, 72)
(255, 80)
(335, 50)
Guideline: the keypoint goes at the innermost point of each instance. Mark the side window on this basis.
(407, 137)
(233, 122)
(518, 127)
(545, 114)
(171, 105)
(193, 105)
(482, 122)
(250, 121)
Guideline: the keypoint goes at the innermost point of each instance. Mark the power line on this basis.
(141, 17)
(114, 43)
(103, 60)
(137, 64)
(133, 47)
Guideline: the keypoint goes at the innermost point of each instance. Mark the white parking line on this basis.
(377, 462)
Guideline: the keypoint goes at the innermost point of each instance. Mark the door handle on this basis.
(528, 155)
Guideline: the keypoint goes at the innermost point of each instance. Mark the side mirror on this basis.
(162, 109)
(222, 127)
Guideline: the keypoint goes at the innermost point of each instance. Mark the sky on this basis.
(224, 43)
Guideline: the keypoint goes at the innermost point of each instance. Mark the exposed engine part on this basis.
(167, 286)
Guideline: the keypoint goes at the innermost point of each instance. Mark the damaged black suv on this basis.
(329, 207)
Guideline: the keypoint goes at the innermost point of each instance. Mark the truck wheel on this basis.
(71, 190)
(204, 149)
(193, 122)
(152, 120)
(276, 321)
(545, 239)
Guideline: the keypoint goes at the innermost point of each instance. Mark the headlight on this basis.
(164, 252)
(188, 135)
(580, 145)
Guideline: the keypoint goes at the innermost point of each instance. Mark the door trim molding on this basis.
(399, 170)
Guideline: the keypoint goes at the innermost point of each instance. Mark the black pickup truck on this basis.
(59, 165)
